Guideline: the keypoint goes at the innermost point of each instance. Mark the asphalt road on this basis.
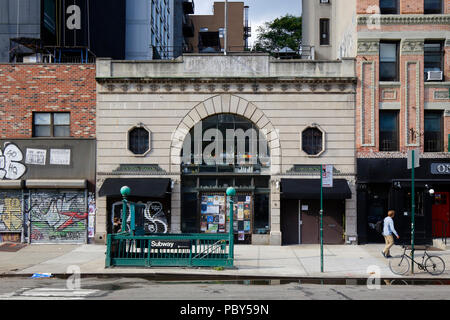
(143, 289)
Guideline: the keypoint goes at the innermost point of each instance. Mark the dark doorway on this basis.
(305, 229)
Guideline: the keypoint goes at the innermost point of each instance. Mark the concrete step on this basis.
(440, 244)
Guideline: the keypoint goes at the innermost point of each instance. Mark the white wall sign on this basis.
(60, 157)
(36, 156)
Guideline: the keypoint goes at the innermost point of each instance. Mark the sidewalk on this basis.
(340, 261)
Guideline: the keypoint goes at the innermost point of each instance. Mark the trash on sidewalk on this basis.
(42, 275)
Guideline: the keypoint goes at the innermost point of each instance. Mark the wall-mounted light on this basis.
(430, 190)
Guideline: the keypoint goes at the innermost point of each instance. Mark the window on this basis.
(389, 131)
(432, 6)
(51, 124)
(312, 141)
(324, 32)
(389, 6)
(433, 135)
(139, 140)
(433, 56)
(389, 61)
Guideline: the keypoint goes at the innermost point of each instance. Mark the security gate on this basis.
(11, 218)
(58, 216)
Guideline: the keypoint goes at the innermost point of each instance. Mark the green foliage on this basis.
(282, 32)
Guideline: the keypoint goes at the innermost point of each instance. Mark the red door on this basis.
(441, 214)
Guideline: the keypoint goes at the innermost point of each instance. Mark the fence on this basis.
(180, 250)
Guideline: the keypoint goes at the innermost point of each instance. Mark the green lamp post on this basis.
(231, 192)
(125, 192)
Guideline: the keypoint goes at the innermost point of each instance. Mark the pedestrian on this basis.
(388, 233)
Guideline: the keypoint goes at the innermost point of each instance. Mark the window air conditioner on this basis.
(434, 75)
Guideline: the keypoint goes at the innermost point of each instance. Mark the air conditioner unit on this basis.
(324, 1)
(434, 75)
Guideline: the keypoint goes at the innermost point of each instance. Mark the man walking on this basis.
(388, 232)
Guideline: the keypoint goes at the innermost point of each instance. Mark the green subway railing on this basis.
(133, 248)
(178, 250)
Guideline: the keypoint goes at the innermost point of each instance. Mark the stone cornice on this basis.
(404, 19)
(208, 86)
(368, 47)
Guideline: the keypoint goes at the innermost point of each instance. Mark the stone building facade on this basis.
(305, 110)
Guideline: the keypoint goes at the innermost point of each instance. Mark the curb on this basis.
(209, 277)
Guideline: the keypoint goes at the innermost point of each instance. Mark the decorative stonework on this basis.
(442, 94)
(372, 105)
(412, 47)
(387, 94)
(261, 87)
(368, 47)
(410, 107)
(406, 19)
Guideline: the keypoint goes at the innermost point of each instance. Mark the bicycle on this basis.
(434, 265)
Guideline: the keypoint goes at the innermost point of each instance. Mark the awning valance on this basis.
(140, 187)
(310, 189)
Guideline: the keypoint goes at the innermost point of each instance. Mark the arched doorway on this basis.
(220, 151)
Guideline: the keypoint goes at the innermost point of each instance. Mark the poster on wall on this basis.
(36, 156)
(213, 214)
(60, 157)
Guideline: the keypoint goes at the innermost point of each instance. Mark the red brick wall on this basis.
(25, 88)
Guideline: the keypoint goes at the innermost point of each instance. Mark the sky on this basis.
(260, 11)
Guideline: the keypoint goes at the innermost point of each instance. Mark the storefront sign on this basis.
(440, 168)
(170, 244)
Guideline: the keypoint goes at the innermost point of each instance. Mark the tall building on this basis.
(329, 29)
(402, 103)
(209, 29)
(80, 30)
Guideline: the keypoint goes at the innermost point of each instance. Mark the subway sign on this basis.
(440, 168)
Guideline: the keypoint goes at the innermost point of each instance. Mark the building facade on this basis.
(329, 29)
(403, 102)
(172, 131)
(47, 159)
(209, 33)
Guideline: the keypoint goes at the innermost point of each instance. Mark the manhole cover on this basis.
(11, 247)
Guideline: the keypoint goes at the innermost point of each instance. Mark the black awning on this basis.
(140, 187)
(310, 189)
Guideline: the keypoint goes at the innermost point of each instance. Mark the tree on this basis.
(280, 33)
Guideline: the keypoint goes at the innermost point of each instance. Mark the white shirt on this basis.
(388, 228)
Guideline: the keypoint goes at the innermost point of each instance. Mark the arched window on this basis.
(228, 142)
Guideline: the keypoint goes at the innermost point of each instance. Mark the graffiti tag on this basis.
(10, 166)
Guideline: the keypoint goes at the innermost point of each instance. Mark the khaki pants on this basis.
(389, 243)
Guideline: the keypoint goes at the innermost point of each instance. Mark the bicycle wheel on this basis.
(435, 265)
(399, 265)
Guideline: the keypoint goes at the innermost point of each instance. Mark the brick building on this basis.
(403, 103)
(47, 159)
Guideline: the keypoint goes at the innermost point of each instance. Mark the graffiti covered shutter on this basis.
(58, 216)
(11, 218)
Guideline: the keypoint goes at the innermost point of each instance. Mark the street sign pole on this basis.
(321, 218)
